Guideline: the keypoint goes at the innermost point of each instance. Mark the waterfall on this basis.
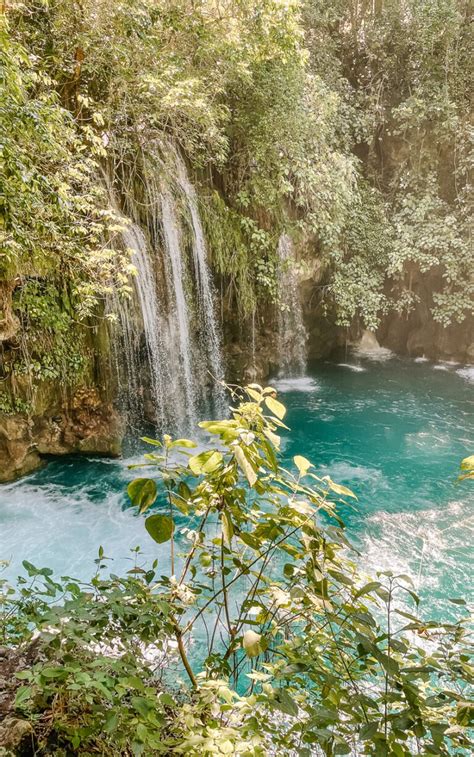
(179, 331)
(210, 333)
(174, 302)
(145, 285)
(291, 330)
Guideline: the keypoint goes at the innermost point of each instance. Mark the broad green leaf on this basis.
(286, 703)
(251, 643)
(244, 464)
(142, 493)
(154, 442)
(23, 694)
(205, 462)
(368, 730)
(182, 443)
(142, 705)
(111, 721)
(276, 407)
(368, 588)
(160, 527)
(302, 464)
(56, 672)
(338, 489)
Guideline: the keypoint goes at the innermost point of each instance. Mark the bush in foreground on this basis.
(254, 632)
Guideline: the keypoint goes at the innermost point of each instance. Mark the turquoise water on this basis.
(393, 430)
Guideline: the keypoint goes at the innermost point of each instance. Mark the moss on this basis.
(242, 251)
(52, 343)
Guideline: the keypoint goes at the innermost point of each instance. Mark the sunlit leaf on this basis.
(251, 643)
(302, 464)
(276, 407)
(142, 493)
(160, 527)
(338, 489)
(244, 464)
(227, 528)
(205, 462)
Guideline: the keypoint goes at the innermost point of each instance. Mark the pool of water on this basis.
(393, 430)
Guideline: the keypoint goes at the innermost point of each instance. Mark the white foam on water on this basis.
(369, 348)
(467, 373)
(355, 368)
(302, 384)
(343, 471)
(378, 356)
(421, 360)
(428, 440)
(440, 367)
(431, 546)
(62, 527)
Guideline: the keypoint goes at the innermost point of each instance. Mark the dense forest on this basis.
(345, 126)
(196, 192)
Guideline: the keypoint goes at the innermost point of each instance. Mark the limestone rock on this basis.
(9, 323)
(83, 423)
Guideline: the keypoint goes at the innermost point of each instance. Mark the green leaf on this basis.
(142, 493)
(22, 696)
(187, 443)
(302, 464)
(205, 462)
(251, 643)
(244, 464)
(154, 442)
(368, 588)
(276, 407)
(286, 703)
(367, 731)
(111, 721)
(53, 672)
(160, 527)
(142, 705)
(227, 528)
(338, 489)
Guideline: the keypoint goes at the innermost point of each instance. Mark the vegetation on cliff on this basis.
(346, 124)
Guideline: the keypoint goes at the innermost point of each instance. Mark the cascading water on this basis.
(179, 332)
(210, 332)
(173, 298)
(292, 335)
(145, 285)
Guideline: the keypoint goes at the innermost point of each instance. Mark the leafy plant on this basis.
(254, 631)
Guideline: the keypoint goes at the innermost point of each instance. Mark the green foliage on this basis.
(401, 69)
(90, 671)
(53, 220)
(295, 649)
(271, 102)
(52, 344)
(11, 405)
(467, 467)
